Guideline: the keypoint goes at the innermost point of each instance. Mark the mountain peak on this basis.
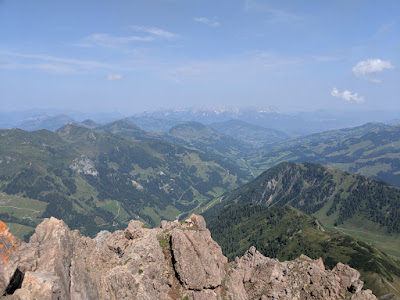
(192, 125)
(72, 129)
(124, 124)
(90, 124)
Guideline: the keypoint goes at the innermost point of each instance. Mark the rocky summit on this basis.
(178, 260)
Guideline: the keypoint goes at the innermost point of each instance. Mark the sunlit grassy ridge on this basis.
(342, 201)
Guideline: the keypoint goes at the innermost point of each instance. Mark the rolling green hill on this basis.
(372, 150)
(209, 140)
(286, 233)
(254, 135)
(97, 180)
(193, 135)
(154, 124)
(90, 124)
(128, 129)
(329, 136)
(341, 200)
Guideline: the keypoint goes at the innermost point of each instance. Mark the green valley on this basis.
(254, 135)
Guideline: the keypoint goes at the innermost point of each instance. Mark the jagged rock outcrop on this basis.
(303, 278)
(8, 258)
(175, 261)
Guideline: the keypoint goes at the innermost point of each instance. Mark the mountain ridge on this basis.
(338, 199)
(285, 233)
(104, 178)
(372, 150)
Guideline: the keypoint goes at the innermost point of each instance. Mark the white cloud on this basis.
(365, 68)
(273, 15)
(50, 63)
(191, 70)
(144, 34)
(347, 96)
(281, 16)
(206, 21)
(106, 40)
(158, 32)
(113, 77)
(271, 59)
(244, 66)
(383, 29)
(70, 61)
(52, 67)
(326, 58)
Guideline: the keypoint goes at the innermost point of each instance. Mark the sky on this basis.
(131, 55)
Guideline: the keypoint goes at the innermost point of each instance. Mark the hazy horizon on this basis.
(53, 111)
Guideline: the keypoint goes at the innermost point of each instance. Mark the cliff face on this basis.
(175, 261)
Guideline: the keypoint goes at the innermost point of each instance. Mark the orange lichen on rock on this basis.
(7, 243)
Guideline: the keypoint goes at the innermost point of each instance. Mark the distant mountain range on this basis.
(255, 148)
(296, 124)
(371, 149)
(37, 119)
(162, 120)
(44, 122)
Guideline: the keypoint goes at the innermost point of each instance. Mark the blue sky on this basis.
(130, 56)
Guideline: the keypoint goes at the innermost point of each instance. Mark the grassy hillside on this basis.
(194, 135)
(97, 180)
(285, 233)
(330, 136)
(154, 124)
(339, 199)
(90, 124)
(209, 140)
(372, 150)
(127, 129)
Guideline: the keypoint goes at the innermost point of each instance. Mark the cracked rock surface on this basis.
(175, 261)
